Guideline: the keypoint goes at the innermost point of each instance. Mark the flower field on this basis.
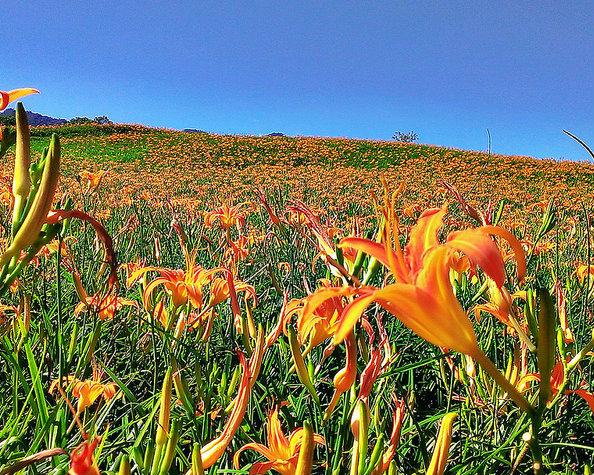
(199, 304)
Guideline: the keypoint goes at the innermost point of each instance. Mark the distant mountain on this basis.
(35, 119)
(196, 131)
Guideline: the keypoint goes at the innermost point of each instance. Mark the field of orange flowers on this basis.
(190, 303)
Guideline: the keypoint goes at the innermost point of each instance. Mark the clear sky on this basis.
(446, 69)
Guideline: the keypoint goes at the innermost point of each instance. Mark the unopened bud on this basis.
(301, 369)
(125, 468)
(21, 183)
(305, 460)
(164, 409)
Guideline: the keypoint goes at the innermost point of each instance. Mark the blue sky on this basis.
(447, 70)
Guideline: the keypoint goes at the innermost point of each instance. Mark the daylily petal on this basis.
(514, 244)
(423, 237)
(278, 442)
(351, 314)
(377, 250)
(434, 320)
(585, 395)
(481, 250)
(261, 449)
(7, 97)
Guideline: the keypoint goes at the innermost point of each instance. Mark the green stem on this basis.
(521, 402)
(509, 388)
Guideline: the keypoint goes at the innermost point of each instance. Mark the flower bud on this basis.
(300, 365)
(164, 409)
(21, 183)
(442, 446)
(305, 460)
(546, 344)
(125, 468)
(28, 232)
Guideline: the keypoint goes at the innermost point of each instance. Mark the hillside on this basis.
(190, 168)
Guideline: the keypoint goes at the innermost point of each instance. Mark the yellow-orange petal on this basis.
(481, 250)
(7, 97)
(514, 244)
(424, 236)
(350, 316)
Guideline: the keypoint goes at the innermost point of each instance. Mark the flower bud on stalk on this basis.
(21, 183)
(171, 447)
(442, 446)
(125, 468)
(181, 387)
(163, 425)
(305, 460)
(164, 409)
(360, 428)
(28, 231)
(376, 455)
(546, 344)
(300, 365)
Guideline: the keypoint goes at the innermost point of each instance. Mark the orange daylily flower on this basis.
(92, 179)
(584, 273)
(219, 291)
(106, 307)
(7, 97)
(81, 459)
(227, 216)
(317, 321)
(238, 250)
(87, 391)
(282, 452)
(557, 378)
(500, 305)
(422, 296)
(182, 285)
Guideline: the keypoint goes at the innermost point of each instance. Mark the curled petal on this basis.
(423, 237)
(383, 253)
(481, 250)
(515, 245)
(261, 449)
(351, 314)
(7, 97)
(585, 395)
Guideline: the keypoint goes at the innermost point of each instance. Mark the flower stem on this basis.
(521, 402)
(509, 388)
